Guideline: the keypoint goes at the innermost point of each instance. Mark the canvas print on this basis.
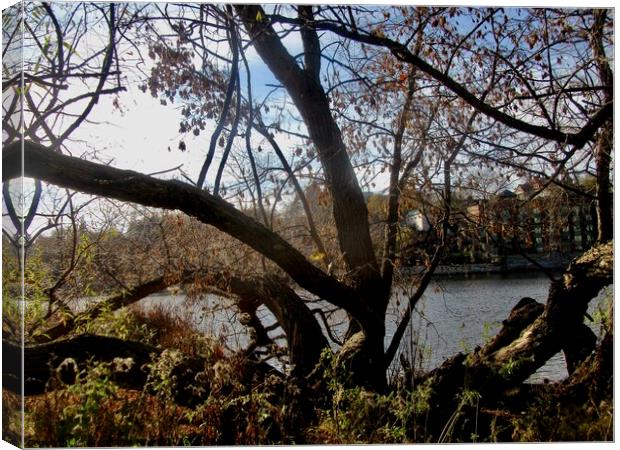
(279, 224)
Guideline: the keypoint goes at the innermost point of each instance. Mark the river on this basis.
(455, 315)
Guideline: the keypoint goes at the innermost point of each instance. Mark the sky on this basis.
(142, 134)
(138, 136)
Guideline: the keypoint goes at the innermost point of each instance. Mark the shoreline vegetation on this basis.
(170, 388)
(503, 265)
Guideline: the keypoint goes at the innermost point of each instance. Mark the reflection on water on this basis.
(458, 314)
(455, 315)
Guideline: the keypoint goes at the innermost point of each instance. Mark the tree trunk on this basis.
(303, 334)
(362, 356)
(604, 142)
(349, 207)
(604, 203)
(303, 85)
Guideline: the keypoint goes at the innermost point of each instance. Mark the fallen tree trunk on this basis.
(530, 336)
(304, 335)
(53, 365)
(42, 361)
(116, 302)
(566, 306)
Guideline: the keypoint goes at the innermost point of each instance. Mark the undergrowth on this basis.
(95, 411)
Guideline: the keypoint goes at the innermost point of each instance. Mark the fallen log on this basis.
(303, 333)
(41, 361)
(53, 365)
(530, 336)
(555, 328)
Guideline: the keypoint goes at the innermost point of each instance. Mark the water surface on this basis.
(454, 315)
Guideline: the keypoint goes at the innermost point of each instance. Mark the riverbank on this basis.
(504, 265)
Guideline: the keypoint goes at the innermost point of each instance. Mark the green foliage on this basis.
(34, 303)
(160, 378)
(511, 367)
(358, 416)
(11, 295)
(355, 415)
(547, 419)
(121, 324)
(467, 399)
(488, 330)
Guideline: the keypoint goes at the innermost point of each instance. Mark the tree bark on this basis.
(605, 138)
(604, 203)
(566, 305)
(593, 378)
(530, 336)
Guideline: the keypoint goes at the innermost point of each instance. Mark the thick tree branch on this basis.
(113, 303)
(125, 185)
(304, 336)
(303, 333)
(531, 335)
